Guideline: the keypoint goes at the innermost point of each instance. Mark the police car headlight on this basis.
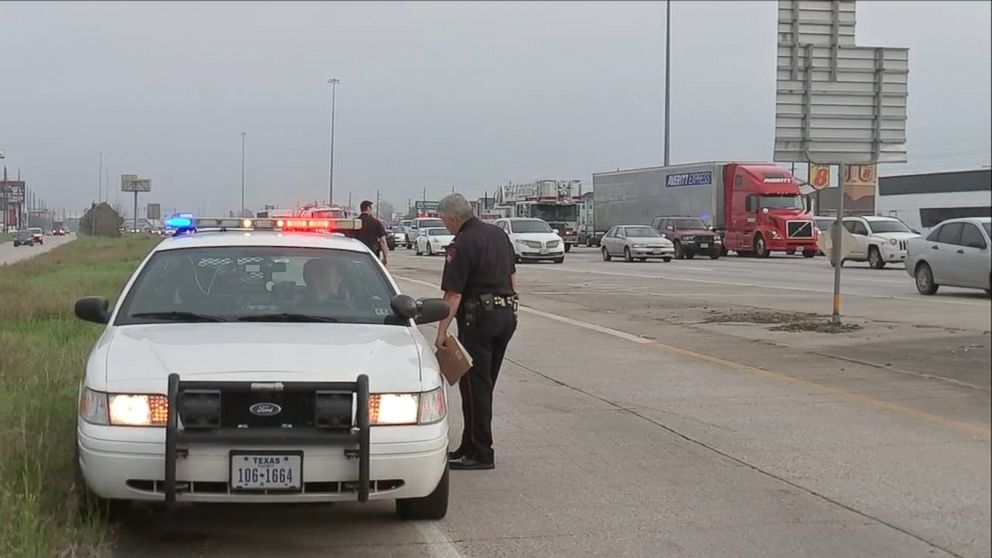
(138, 410)
(638, 246)
(433, 406)
(393, 408)
(93, 406)
(407, 408)
(893, 241)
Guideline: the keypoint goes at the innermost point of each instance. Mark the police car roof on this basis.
(288, 239)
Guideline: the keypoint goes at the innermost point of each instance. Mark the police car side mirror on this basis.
(431, 310)
(404, 306)
(94, 309)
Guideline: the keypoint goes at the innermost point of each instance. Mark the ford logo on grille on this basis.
(265, 409)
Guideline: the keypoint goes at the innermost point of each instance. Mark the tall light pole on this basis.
(668, 77)
(330, 164)
(243, 134)
(99, 195)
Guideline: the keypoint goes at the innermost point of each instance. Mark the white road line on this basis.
(557, 318)
(439, 545)
(757, 286)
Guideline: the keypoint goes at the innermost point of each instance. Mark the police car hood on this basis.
(141, 357)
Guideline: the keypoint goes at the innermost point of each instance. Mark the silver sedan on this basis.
(956, 253)
(636, 242)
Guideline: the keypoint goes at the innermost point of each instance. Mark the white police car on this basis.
(255, 363)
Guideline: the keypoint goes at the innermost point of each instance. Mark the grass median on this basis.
(43, 350)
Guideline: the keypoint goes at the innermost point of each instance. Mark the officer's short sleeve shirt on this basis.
(480, 260)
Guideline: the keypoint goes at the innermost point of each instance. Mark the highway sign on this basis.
(153, 212)
(425, 205)
(12, 191)
(131, 183)
(836, 102)
(819, 176)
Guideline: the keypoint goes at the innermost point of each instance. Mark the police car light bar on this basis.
(266, 224)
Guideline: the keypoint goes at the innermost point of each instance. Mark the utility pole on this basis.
(99, 195)
(330, 163)
(243, 134)
(377, 204)
(668, 78)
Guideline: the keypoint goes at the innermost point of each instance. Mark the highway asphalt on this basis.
(9, 254)
(636, 417)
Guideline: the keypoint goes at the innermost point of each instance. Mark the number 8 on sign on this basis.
(819, 176)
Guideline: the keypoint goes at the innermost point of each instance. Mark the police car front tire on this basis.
(432, 506)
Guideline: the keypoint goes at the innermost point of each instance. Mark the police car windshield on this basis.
(258, 284)
(428, 223)
(437, 232)
(529, 227)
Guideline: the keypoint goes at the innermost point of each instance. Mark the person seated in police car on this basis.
(324, 283)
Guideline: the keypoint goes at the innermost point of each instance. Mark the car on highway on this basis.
(533, 239)
(690, 235)
(878, 240)
(24, 238)
(395, 236)
(588, 236)
(413, 229)
(823, 224)
(38, 234)
(58, 232)
(272, 367)
(956, 253)
(636, 242)
(434, 240)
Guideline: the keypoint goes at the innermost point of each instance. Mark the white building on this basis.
(924, 200)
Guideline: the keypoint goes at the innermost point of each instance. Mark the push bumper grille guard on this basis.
(358, 435)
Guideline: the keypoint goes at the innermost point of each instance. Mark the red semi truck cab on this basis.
(764, 212)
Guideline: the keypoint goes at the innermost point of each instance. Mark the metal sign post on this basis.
(836, 103)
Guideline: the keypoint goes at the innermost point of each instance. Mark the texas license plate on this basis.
(656, 250)
(266, 471)
(704, 245)
(544, 251)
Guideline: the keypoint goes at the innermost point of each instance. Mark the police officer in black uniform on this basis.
(372, 233)
(479, 285)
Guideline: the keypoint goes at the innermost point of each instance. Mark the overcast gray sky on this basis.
(433, 95)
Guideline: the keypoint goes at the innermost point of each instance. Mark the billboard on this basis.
(12, 191)
(131, 183)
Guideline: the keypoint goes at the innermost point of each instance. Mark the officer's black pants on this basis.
(486, 341)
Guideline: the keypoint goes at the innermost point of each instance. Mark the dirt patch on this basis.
(817, 326)
(786, 321)
(758, 317)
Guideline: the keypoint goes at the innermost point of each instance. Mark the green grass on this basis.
(5, 237)
(43, 351)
